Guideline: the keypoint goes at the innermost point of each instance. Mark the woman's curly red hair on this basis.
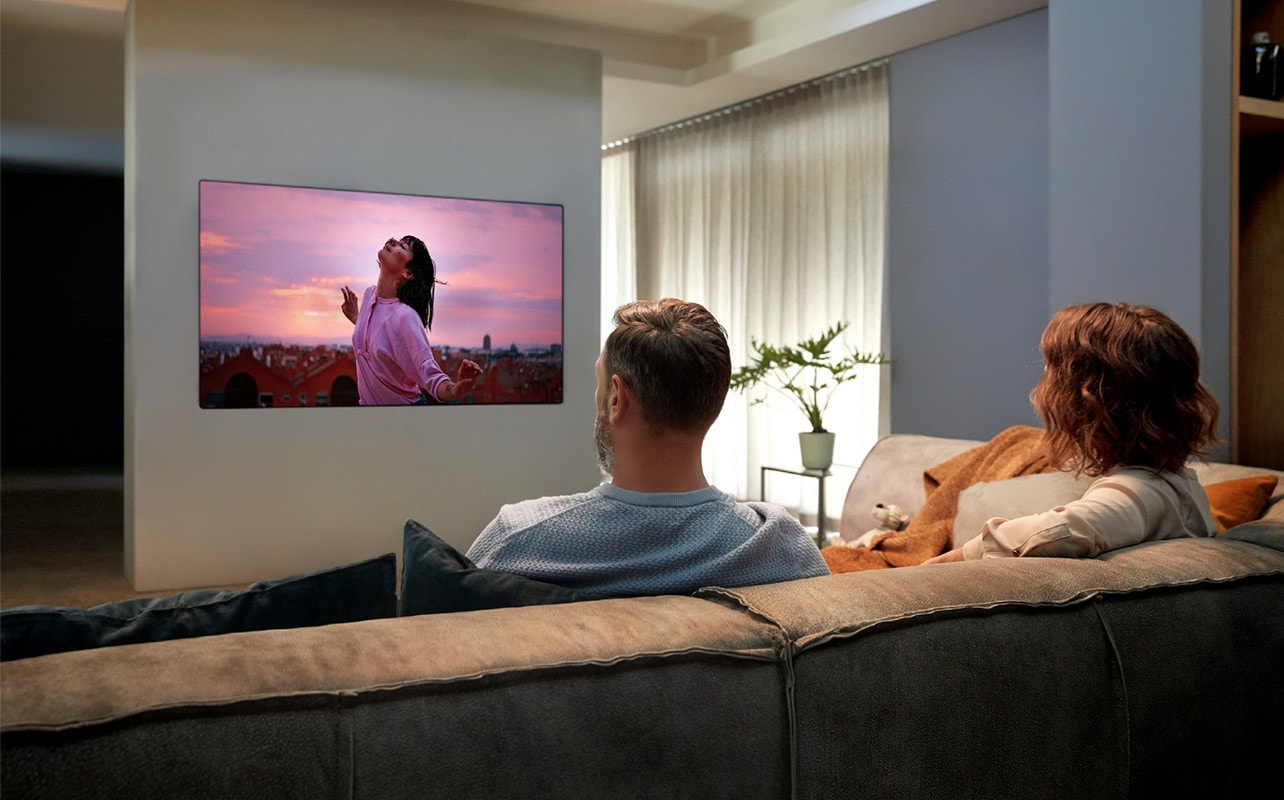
(1121, 388)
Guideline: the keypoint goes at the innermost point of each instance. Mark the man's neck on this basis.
(663, 465)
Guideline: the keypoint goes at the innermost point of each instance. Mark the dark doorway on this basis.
(62, 347)
(343, 392)
(242, 391)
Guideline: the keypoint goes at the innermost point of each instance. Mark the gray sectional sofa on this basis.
(1153, 671)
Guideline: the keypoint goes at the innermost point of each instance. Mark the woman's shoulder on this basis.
(1142, 478)
(1149, 474)
(403, 316)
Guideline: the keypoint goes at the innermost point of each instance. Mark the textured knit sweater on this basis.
(612, 542)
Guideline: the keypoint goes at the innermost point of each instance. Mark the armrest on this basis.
(892, 472)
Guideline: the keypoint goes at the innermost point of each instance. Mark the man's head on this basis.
(673, 356)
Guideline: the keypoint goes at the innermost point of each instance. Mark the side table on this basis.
(819, 475)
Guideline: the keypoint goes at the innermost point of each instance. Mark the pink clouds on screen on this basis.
(273, 261)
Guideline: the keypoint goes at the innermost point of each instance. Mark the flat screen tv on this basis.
(274, 264)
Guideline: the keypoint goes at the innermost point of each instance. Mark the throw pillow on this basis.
(1014, 497)
(1241, 500)
(1266, 532)
(436, 579)
(364, 590)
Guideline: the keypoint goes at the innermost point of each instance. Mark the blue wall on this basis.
(1140, 163)
(1072, 154)
(968, 229)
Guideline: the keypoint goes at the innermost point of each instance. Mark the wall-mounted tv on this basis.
(294, 310)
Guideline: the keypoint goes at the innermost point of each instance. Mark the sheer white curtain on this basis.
(619, 247)
(772, 215)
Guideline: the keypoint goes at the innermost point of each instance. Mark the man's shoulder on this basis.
(625, 508)
(767, 514)
(537, 509)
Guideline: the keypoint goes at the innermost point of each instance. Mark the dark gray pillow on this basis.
(1266, 532)
(436, 579)
(364, 590)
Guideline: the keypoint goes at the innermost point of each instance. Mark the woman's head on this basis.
(418, 288)
(1121, 388)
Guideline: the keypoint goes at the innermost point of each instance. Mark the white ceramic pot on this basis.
(817, 450)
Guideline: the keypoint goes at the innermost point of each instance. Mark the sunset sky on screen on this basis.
(273, 261)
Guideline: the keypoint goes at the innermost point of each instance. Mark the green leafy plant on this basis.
(806, 373)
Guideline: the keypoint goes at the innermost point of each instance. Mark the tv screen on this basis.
(321, 297)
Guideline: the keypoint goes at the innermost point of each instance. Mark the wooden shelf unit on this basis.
(1257, 255)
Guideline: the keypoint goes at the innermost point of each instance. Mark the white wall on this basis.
(324, 95)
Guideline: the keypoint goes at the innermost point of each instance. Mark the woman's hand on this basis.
(953, 555)
(350, 305)
(452, 390)
(468, 371)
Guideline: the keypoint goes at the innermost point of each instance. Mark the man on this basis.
(657, 527)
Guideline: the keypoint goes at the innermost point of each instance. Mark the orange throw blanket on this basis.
(1014, 452)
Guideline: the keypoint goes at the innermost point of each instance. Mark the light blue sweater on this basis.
(612, 542)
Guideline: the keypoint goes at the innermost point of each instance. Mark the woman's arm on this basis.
(950, 555)
(1118, 510)
(451, 390)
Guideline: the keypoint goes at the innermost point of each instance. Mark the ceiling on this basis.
(663, 60)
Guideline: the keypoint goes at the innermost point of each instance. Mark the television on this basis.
(275, 260)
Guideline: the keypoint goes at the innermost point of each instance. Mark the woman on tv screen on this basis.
(395, 362)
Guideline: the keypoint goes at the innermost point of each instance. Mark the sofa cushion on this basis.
(1241, 500)
(436, 578)
(1232, 502)
(1014, 497)
(363, 590)
(1266, 532)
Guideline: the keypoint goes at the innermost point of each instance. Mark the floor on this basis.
(62, 539)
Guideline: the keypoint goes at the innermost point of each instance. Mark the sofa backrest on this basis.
(562, 701)
(1151, 671)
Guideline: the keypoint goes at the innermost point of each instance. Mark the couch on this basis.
(1150, 671)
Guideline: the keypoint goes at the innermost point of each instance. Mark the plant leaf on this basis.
(807, 373)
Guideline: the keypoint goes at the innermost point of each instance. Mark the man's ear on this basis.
(620, 400)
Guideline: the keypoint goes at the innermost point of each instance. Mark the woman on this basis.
(395, 363)
(1120, 399)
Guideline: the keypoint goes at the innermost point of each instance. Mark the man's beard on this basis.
(602, 439)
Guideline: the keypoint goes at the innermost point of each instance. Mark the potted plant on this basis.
(807, 373)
